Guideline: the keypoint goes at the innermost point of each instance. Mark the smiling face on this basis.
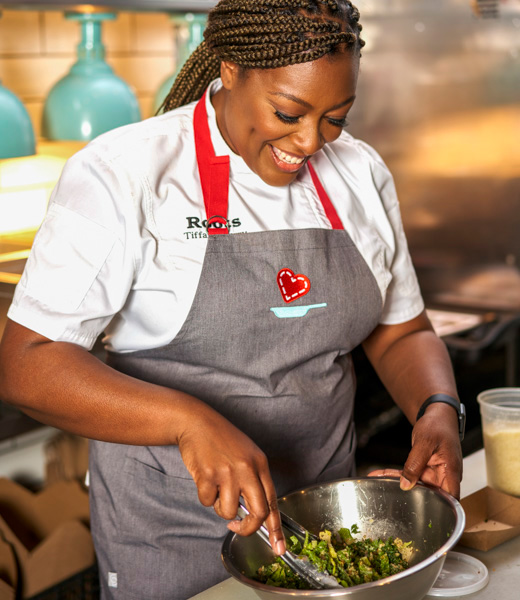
(275, 119)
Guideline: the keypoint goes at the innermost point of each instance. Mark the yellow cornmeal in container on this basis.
(502, 447)
(500, 412)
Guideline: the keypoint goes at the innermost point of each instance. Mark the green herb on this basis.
(352, 561)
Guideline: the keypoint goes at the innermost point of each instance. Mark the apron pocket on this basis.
(168, 543)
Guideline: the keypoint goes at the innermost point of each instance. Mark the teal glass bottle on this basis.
(16, 130)
(189, 29)
(90, 99)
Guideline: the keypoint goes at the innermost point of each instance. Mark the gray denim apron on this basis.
(267, 344)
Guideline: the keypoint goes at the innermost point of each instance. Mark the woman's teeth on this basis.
(292, 160)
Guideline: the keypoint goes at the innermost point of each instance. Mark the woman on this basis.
(229, 369)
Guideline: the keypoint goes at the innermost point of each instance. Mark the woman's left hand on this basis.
(436, 455)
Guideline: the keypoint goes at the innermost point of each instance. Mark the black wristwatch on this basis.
(458, 406)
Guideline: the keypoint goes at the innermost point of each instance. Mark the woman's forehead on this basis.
(326, 76)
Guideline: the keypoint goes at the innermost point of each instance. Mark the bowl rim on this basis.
(460, 522)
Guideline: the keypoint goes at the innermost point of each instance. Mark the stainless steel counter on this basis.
(503, 562)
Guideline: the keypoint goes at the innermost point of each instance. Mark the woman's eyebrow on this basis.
(306, 104)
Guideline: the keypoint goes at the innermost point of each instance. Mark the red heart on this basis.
(292, 286)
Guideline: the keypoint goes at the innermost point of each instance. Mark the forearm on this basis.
(62, 385)
(419, 368)
(413, 364)
(412, 367)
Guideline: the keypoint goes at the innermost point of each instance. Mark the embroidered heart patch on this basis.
(292, 286)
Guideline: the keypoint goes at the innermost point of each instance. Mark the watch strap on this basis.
(458, 406)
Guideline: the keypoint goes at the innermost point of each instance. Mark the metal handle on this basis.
(290, 524)
(261, 531)
(302, 566)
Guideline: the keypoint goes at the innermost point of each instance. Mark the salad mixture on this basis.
(352, 561)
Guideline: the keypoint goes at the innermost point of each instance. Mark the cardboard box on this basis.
(48, 532)
(491, 519)
(66, 458)
(7, 592)
(8, 571)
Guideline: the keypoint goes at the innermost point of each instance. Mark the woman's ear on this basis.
(229, 73)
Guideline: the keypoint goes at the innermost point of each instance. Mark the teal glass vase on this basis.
(189, 29)
(16, 130)
(90, 99)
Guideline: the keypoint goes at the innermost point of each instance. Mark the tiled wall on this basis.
(38, 48)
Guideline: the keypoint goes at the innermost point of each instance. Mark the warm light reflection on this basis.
(88, 9)
(25, 186)
(480, 142)
(23, 209)
(29, 171)
(16, 255)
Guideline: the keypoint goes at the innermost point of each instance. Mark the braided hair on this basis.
(265, 34)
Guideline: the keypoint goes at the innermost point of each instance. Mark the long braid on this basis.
(265, 34)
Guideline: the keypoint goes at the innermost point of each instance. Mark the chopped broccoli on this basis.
(352, 561)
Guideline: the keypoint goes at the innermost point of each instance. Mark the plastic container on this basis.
(461, 575)
(500, 412)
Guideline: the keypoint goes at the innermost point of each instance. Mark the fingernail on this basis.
(405, 484)
(279, 547)
(234, 525)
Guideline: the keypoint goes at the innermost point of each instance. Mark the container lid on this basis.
(461, 574)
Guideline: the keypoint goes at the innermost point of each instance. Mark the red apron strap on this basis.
(328, 207)
(213, 171)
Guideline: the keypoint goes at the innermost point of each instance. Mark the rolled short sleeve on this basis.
(403, 300)
(80, 269)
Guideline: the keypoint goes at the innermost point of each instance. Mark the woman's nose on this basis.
(308, 138)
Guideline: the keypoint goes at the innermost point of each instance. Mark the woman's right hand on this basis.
(226, 464)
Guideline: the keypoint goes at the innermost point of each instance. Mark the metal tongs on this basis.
(318, 580)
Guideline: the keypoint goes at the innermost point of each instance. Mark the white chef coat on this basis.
(121, 248)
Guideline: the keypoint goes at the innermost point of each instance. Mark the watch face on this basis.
(462, 421)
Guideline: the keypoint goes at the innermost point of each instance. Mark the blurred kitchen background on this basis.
(438, 97)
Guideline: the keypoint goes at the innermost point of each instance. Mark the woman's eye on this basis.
(285, 118)
(338, 122)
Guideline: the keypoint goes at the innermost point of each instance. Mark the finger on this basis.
(414, 466)
(449, 479)
(226, 503)
(444, 477)
(256, 505)
(260, 501)
(452, 485)
(274, 526)
(385, 473)
(207, 492)
(453, 472)
(273, 521)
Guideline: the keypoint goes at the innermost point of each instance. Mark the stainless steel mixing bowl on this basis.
(430, 518)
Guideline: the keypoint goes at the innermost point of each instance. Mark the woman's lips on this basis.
(289, 163)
